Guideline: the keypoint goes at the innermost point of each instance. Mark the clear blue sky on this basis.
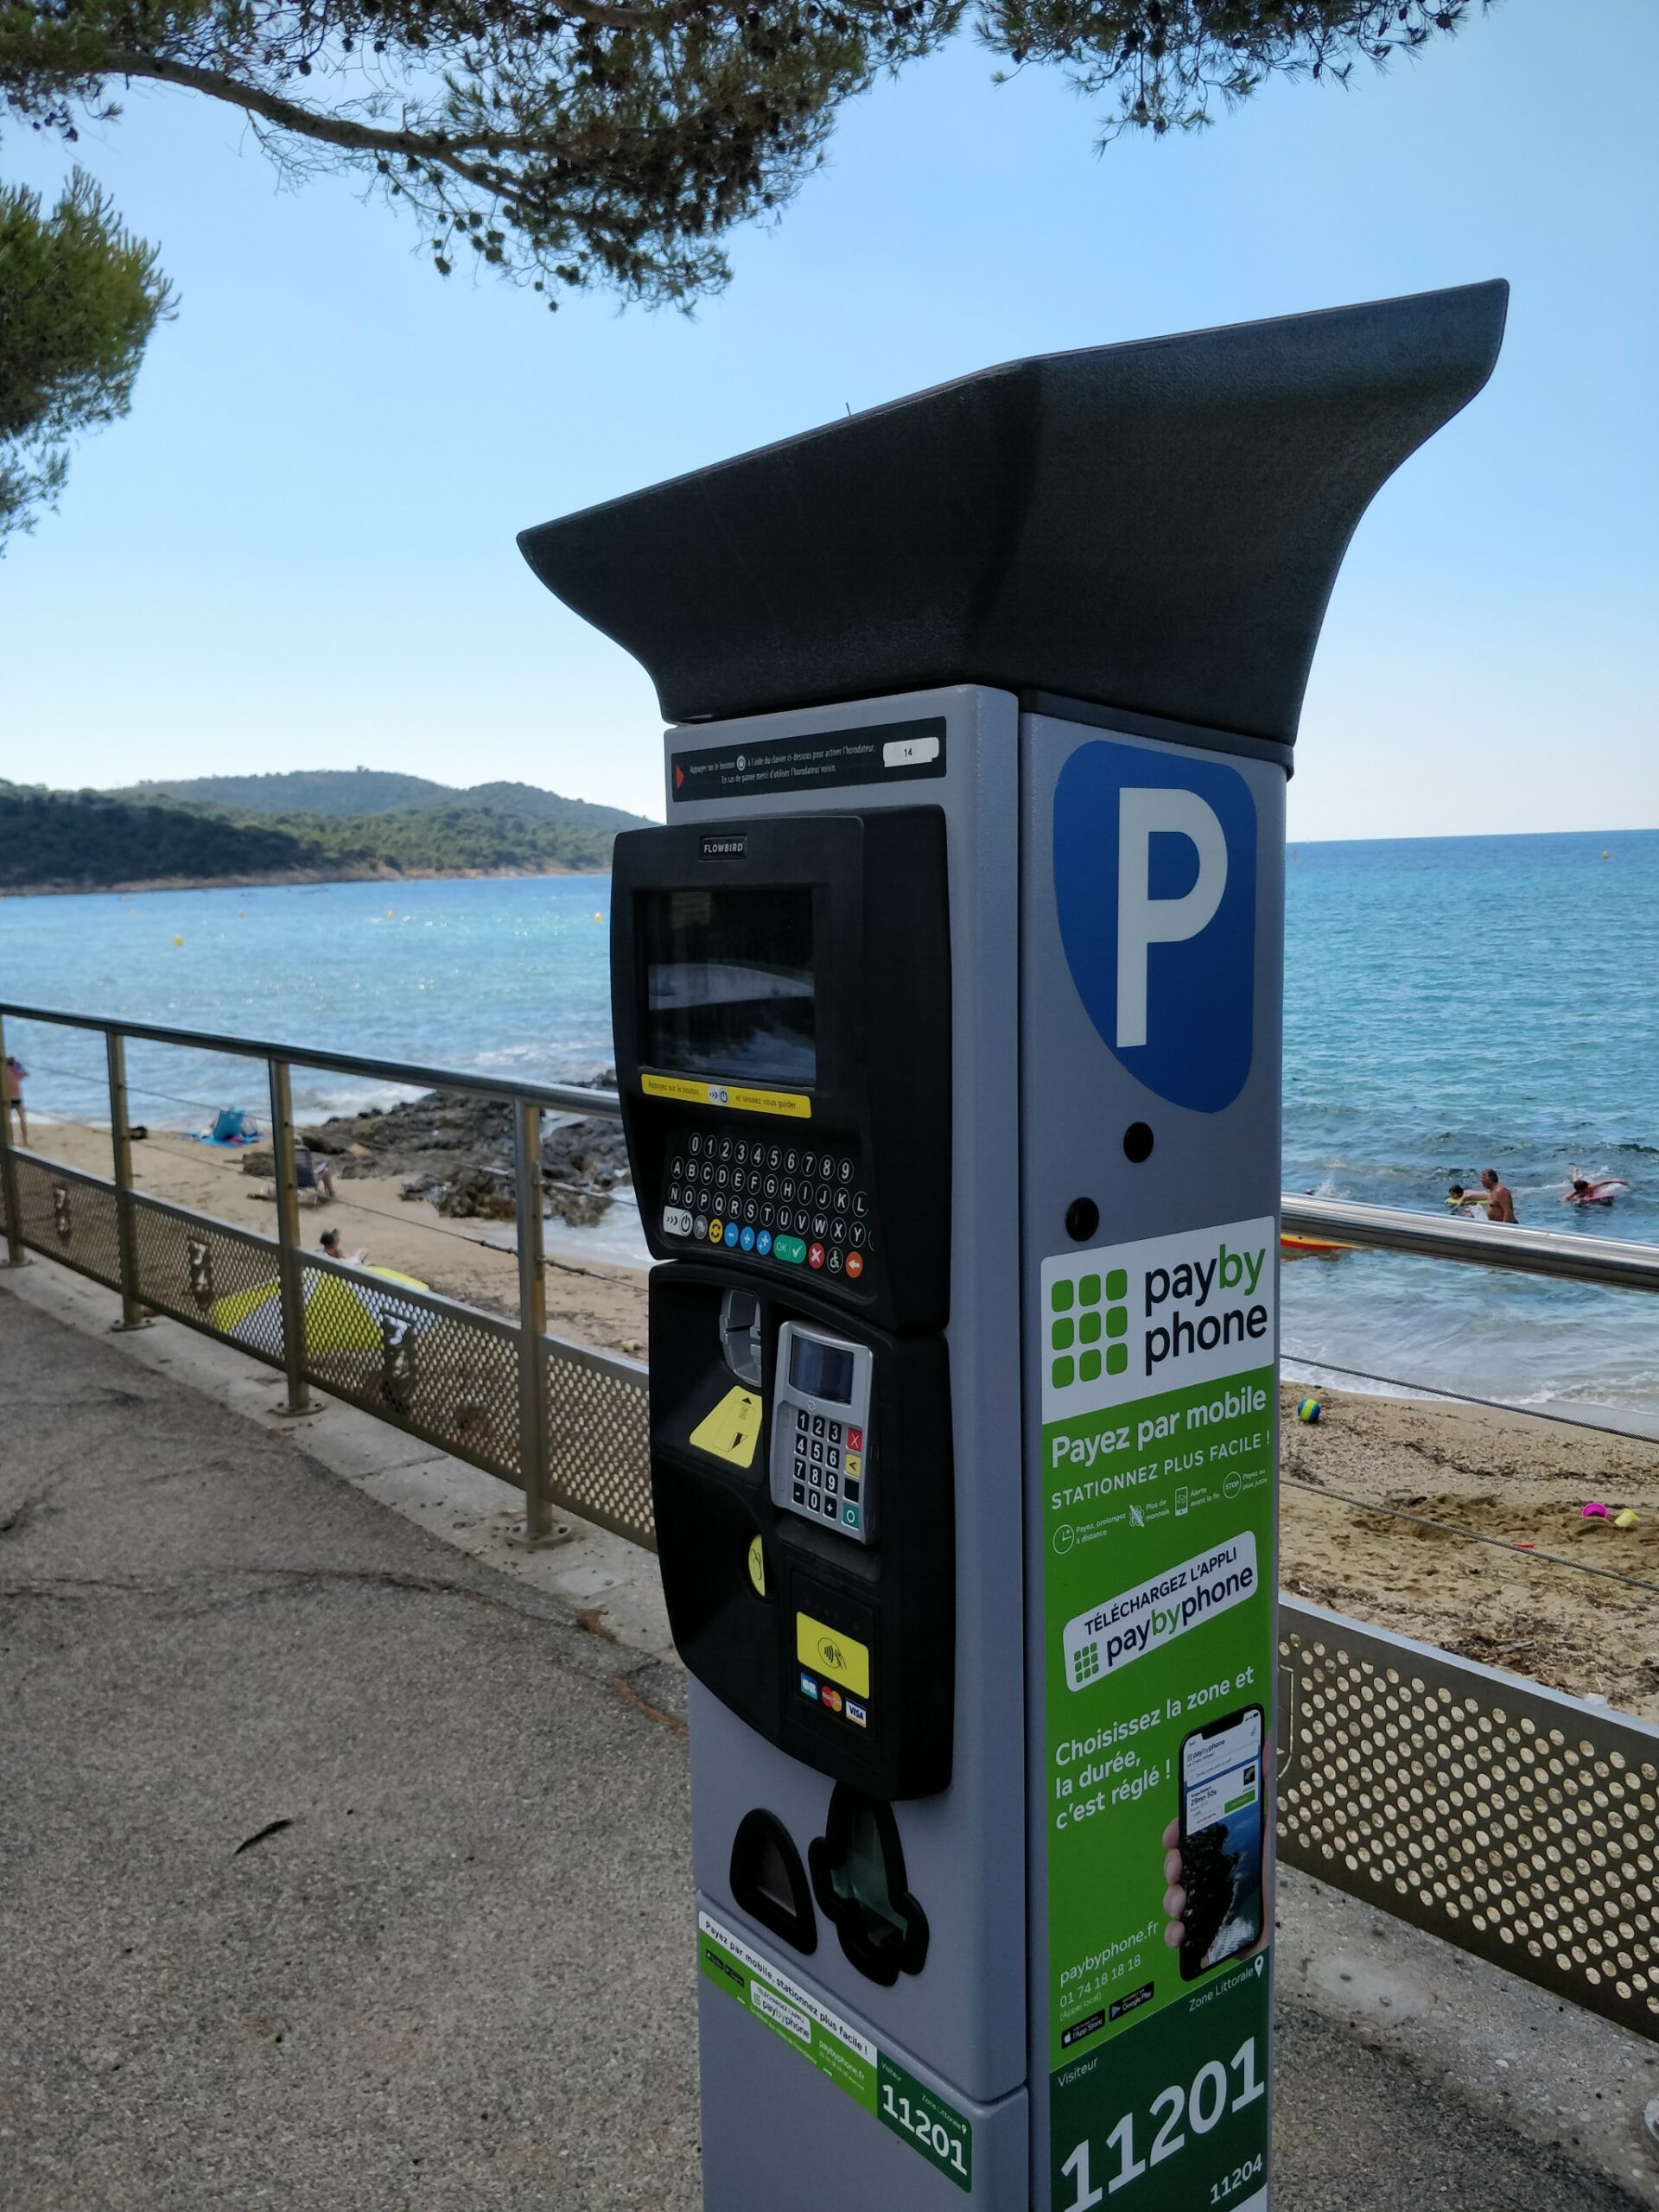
(298, 552)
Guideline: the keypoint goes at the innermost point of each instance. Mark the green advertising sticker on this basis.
(840, 2052)
(1159, 1524)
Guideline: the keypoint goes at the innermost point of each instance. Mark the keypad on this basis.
(762, 1198)
(822, 1477)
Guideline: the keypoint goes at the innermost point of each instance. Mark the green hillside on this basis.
(91, 840)
(355, 791)
(83, 841)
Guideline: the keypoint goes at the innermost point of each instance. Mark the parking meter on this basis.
(947, 1021)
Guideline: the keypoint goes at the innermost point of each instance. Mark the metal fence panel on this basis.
(423, 1363)
(1506, 1818)
(599, 1439)
(220, 1280)
(66, 1216)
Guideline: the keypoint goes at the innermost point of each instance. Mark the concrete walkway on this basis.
(339, 1870)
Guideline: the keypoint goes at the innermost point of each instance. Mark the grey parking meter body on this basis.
(947, 1013)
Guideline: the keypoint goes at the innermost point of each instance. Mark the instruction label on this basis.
(1159, 1527)
(883, 753)
(842, 2053)
(732, 1430)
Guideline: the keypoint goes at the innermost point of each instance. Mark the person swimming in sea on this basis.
(1497, 1199)
(1582, 1190)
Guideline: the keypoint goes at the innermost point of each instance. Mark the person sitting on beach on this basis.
(1500, 1199)
(313, 1172)
(329, 1244)
(16, 1073)
(1581, 1191)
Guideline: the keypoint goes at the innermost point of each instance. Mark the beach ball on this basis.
(1310, 1409)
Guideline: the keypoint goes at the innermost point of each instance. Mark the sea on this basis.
(1451, 1003)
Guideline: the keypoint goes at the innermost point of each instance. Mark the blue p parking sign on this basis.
(1155, 880)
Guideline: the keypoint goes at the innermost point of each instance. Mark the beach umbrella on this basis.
(340, 1316)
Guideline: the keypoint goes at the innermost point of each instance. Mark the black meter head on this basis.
(782, 1010)
(781, 1000)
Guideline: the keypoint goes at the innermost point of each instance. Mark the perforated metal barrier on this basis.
(1508, 1819)
(441, 1370)
(69, 1216)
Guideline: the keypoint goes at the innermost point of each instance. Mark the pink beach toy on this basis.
(1595, 1510)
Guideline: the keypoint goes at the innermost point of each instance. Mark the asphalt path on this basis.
(338, 1871)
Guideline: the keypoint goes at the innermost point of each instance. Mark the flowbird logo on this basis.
(1155, 884)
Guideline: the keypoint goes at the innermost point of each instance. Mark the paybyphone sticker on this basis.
(1126, 1627)
(1158, 1314)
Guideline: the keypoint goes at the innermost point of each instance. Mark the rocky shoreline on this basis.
(454, 1149)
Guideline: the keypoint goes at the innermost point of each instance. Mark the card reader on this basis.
(822, 1462)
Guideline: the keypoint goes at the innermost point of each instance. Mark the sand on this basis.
(1515, 1477)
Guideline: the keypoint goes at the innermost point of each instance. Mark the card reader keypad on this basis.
(769, 1198)
(821, 1465)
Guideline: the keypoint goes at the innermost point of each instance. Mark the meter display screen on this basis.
(821, 1370)
(729, 984)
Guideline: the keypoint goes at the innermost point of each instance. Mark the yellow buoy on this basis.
(599, 918)
(240, 911)
(391, 914)
(178, 940)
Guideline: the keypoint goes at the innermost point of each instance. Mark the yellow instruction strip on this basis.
(736, 1096)
(732, 1430)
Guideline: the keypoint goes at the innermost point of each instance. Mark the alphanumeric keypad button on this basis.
(790, 1162)
(838, 1230)
(831, 1484)
(797, 1491)
(771, 1186)
(858, 1235)
(834, 1432)
(815, 1475)
(694, 1142)
(803, 1419)
(820, 1225)
(800, 1469)
(817, 1424)
(831, 1455)
(821, 1196)
(860, 1203)
(836, 1263)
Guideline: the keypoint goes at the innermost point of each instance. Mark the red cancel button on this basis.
(814, 1255)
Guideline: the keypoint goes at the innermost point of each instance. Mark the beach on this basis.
(1361, 1487)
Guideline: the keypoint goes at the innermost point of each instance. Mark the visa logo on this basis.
(1154, 888)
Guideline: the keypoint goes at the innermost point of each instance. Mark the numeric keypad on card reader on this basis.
(769, 1198)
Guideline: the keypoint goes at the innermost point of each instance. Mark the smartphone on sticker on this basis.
(1221, 1840)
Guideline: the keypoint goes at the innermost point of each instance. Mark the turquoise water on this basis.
(1451, 1004)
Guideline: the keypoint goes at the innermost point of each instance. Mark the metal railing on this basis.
(1604, 1259)
(1516, 1821)
(563, 1423)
